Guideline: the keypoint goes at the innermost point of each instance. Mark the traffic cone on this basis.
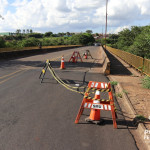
(62, 63)
(95, 113)
(85, 54)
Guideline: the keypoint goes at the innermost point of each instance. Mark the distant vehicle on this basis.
(97, 44)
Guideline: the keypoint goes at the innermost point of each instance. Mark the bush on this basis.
(141, 45)
(82, 39)
(2, 42)
(35, 35)
(46, 42)
(146, 82)
(29, 42)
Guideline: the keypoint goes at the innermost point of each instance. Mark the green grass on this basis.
(124, 91)
(118, 95)
(146, 82)
(113, 82)
(141, 118)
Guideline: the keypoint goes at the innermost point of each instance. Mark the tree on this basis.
(96, 34)
(112, 41)
(18, 31)
(30, 42)
(89, 31)
(141, 45)
(83, 39)
(125, 39)
(23, 31)
(27, 31)
(2, 42)
(48, 34)
(31, 31)
(36, 35)
(68, 33)
(135, 30)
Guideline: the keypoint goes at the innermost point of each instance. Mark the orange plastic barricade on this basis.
(75, 56)
(87, 54)
(96, 104)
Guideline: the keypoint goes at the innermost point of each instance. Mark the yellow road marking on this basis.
(23, 70)
(10, 74)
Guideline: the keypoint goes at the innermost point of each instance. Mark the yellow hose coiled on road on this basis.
(62, 83)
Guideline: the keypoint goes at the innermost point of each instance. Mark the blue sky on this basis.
(72, 15)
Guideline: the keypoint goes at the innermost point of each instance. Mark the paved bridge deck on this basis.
(35, 116)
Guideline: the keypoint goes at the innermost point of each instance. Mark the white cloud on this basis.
(71, 15)
(118, 29)
(18, 3)
(3, 4)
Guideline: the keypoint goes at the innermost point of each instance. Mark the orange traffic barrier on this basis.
(96, 103)
(75, 56)
(85, 55)
(62, 63)
(73, 59)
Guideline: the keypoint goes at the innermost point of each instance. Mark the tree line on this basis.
(135, 40)
(29, 39)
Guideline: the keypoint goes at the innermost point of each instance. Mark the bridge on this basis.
(40, 116)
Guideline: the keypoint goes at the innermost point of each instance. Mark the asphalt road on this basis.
(40, 116)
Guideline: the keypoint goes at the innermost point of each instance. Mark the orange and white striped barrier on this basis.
(96, 104)
(75, 56)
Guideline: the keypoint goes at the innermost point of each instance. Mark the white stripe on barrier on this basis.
(105, 106)
(102, 85)
(109, 107)
(85, 104)
(89, 105)
(97, 106)
(96, 84)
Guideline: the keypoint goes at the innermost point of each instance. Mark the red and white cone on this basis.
(62, 63)
(95, 113)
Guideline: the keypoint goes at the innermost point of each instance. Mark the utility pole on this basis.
(106, 23)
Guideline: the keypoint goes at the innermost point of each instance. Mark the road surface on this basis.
(40, 116)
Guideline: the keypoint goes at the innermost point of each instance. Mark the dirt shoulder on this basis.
(131, 85)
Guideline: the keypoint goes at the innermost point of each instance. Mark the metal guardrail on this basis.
(32, 48)
(137, 62)
(146, 67)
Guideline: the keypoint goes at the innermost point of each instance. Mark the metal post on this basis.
(106, 23)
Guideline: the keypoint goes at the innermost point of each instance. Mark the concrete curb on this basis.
(141, 128)
(106, 62)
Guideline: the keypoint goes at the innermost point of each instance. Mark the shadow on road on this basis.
(54, 64)
(117, 68)
(121, 123)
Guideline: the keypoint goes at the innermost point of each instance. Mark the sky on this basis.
(72, 15)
